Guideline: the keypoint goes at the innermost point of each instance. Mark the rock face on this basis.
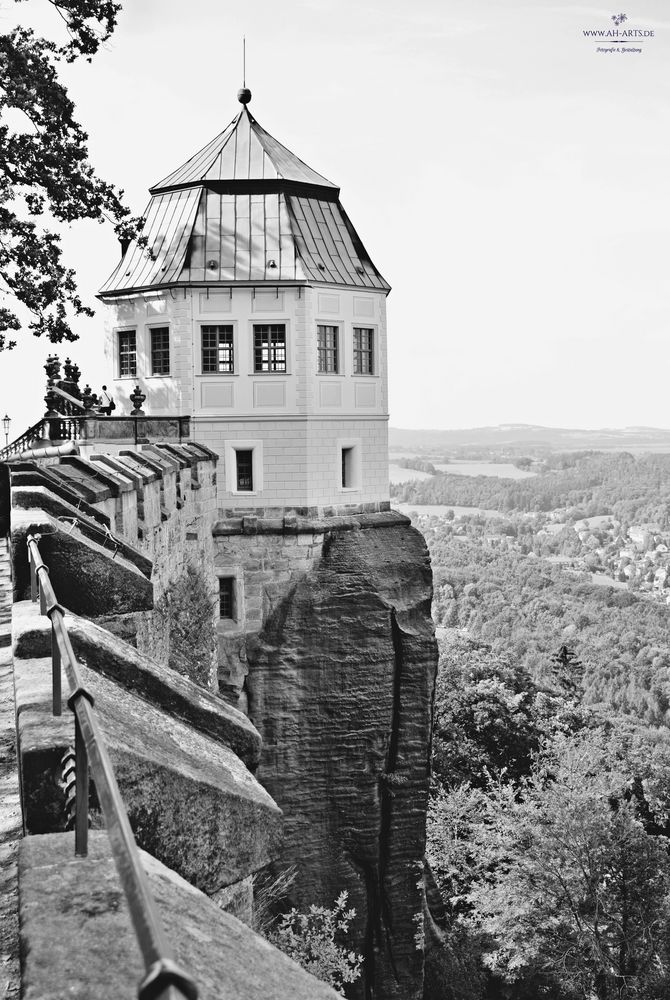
(340, 687)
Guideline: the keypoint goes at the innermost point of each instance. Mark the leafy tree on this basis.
(309, 939)
(45, 173)
(187, 609)
(574, 889)
(483, 716)
(567, 669)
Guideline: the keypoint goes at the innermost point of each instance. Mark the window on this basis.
(363, 351)
(127, 353)
(347, 468)
(217, 349)
(327, 360)
(227, 603)
(244, 464)
(160, 350)
(269, 347)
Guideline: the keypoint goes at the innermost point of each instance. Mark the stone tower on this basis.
(261, 316)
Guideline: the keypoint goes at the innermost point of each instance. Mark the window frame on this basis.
(232, 581)
(355, 465)
(240, 473)
(323, 350)
(254, 349)
(159, 328)
(225, 626)
(126, 332)
(230, 466)
(358, 353)
(229, 329)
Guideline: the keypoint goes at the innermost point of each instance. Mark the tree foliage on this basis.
(45, 174)
(187, 609)
(589, 483)
(574, 889)
(310, 940)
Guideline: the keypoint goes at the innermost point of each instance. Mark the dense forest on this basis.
(549, 816)
(628, 487)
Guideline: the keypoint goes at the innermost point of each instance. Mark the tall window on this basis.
(127, 353)
(347, 468)
(160, 350)
(363, 351)
(227, 607)
(269, 347)
(217, 349)
(244, 460)
(327, 359)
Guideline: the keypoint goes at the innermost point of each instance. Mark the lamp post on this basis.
(6, 421)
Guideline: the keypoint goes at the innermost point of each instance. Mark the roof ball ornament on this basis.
(244, 95)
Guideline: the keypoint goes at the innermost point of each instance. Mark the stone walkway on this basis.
(10, 806)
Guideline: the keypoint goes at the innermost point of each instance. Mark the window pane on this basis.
(270, 347)
(363, 351)
(327, 360)
(127, 353)
(160, 350)
(217, 349)
(245, 471)
(227, 597)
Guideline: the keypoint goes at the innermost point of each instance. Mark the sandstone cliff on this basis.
(340, 687)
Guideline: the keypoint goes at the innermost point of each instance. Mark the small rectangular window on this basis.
(127, 353)
(217, 349)
(269, 347)
(363, 351)
(347, 468)
(244, 470)
(327, 359)
(160, 350)
(227, 608)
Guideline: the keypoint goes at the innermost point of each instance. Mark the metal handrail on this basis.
(163, 975)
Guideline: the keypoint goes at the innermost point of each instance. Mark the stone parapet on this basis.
(78, 939)
(190, 799)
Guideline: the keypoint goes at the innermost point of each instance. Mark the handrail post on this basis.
(33, 576)
(56, 692)
(81, 792)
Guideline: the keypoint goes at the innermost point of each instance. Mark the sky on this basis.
(507, 179)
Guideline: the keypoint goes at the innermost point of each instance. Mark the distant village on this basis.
(634, 557)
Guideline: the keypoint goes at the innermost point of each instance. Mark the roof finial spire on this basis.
(244, 95)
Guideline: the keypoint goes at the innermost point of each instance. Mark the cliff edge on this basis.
(340, 686)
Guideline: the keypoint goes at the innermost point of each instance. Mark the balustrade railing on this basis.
(27, 439)
(164, 980)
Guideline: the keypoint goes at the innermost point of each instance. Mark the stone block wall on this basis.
(266, 557)
(156, 500)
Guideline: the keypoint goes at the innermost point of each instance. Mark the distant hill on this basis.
(519, 436)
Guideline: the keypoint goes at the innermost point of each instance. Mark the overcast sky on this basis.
(508, 180)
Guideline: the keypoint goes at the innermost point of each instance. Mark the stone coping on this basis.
(162, 687)
(291, 524)
(78, 940)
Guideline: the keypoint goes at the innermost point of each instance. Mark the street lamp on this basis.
(6, 421)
